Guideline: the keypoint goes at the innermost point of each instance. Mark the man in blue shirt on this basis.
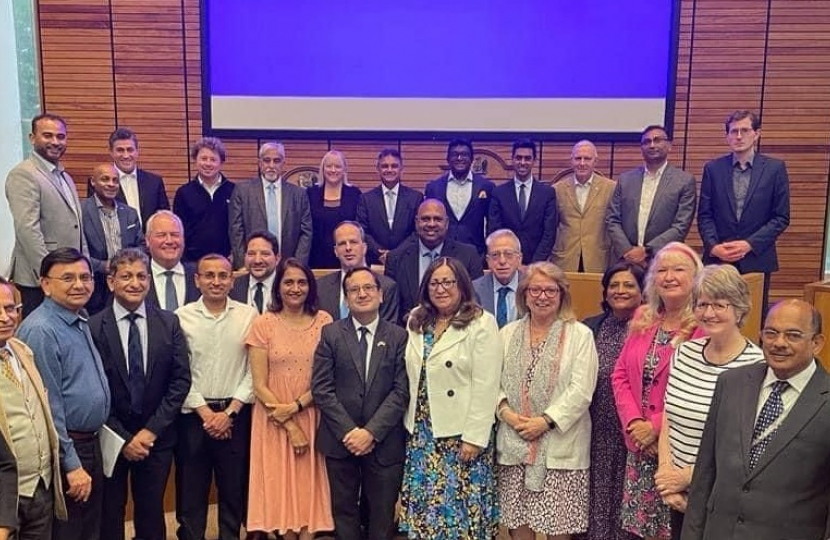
(79, 396)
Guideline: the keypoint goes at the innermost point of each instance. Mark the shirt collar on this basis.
(68, 316)
(394, 190)
(798, 381)
(525, 183)
(48, 165)
(205, 312)
(120, 311)
(159, 270)
(100, 205)
(214, 186)
(461, 181)
(267, 282)
(423, 250)
(265, 183)
(122, 174)
(513, 284)
(749, 161)
(659, 173)
(586, 184)
(372, 326)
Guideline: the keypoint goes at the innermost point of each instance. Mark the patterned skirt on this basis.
(643, 512)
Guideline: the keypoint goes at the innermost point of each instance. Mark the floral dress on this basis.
(444, 498)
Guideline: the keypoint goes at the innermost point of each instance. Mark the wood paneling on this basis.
(108, 62)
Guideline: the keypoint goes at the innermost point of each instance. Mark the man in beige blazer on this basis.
(582, 243)
(26, 427)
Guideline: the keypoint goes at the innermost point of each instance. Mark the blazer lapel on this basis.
(350, 334)
(450, 337)
(95, 219)
(663, 187)
(377, 355)
(124, 225)
(755, 178)
(748, 404)
(116, 352)
(155, 345)
(726, 174)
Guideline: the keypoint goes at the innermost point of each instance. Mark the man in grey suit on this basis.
(45, 207)
(763, 467)
(496, 291)
(350, 247)
(652, 205)
(272, 204)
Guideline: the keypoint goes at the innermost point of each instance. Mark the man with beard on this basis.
(262, 255)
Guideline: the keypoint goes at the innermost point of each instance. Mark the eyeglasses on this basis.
(549, 292)
(445, 284)
(367, 288)
(69, 279)
(717, 307)
(792, 336)
(655, 140)
(740, 131)
(506, 253)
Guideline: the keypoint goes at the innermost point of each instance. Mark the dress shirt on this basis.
(267, 287)
(218, 355)
(650, 182)
(789, 396)
(121, 313)
(741, 175)
(459, 193)
(528, 184)
(129, 186)
(160, 282)
(424, 262)
(14, 362)
(390, 212)
(111, 225)
(79, 394)
(372, 328)
(513, 285)
(59, 180)
(210, 189)
(582, 191)
(278, 193)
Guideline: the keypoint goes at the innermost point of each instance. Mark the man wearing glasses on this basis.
(652, 205)
(496, 291)
(79, 395)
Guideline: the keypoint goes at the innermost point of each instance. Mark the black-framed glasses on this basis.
(445, 284)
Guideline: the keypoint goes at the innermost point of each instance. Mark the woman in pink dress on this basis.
(289, 490)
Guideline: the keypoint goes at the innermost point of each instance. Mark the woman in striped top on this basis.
(721, 303)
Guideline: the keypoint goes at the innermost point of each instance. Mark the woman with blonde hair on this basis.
(639, 381)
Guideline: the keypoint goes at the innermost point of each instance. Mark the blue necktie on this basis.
(271, 210)
(772, 409)
(135, 362)
(501, 307)
(171, 301)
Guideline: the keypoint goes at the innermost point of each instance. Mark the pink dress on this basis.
(287, 491)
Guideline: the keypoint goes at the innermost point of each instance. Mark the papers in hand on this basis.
(111, 445)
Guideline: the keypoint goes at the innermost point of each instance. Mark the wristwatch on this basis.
(232, 414)
(549, 420)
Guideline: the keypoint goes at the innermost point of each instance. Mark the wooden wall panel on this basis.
(138, 64)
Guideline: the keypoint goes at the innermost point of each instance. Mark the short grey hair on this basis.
(723, 282)
(166, 213)
(271, 145)
(503, 233)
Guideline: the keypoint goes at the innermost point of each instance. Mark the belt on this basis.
(82, 435)
(218, 405)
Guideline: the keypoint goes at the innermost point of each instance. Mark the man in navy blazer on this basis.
(652, 205)
(744, 202)
(142, 190)
(384, 230)
(526, 206)
(109, 225)
(496, 290)
(465, 195)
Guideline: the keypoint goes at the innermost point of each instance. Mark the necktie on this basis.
(271, 210)
(65, 189)
(171, 301)
(135, 363)
(364, 348)
(344, 308)
(772, 409)
(258, 297)
(522, 200)
(501, 306)
(8, 370)
(390, 207)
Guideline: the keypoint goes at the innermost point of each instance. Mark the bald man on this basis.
(109, 225)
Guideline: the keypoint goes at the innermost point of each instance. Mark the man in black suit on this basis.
(350, 248)
(526, 206)
(406, 264)
(763, 467)
(387, 212)
(148, 385)
(360, 386)
(744, 203)
(270, 203)
(465, 195)
(262, 254)
(171, 282)
(109, 225)
(141, 190)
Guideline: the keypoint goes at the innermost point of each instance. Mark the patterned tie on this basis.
(364, 348)
(171, 301)
(8, 370)
(258, 297)
(135, 361)
(772, 409)
(522, 200)
(271, 210)
(501, 306)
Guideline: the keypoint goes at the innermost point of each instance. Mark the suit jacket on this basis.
(582, 231)
(44, 219)
(152, 196)
(8, 479)
(347, 399)
(167, 375)
(328, 296)
(483, 287)
(191, 293)
(787, 494)
(766, 211)
(402, 267)
(669, 219)
(537, 229)
(247, 215)
(469, 227)
(371, 214)
(26, 358)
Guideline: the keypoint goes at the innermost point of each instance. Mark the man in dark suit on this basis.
(262, 255)
(272, 204)
(496, 290)
(465, 195)
(406, 264)
(763, 467)
(172, 282)
(360, 386)
(109, 225)
(142, 190)
(387, 212)
(350, 248)
(144, 353)
(652, 205)
(8, 490)
(744, 203)
(526, 206)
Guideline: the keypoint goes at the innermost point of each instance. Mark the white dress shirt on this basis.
(390, 202)
(650, 183)
(582, 191)
(210, 189)
(123, 323)
(370, 339)
(789, 396)
(528, 184)
(160, 282)
(267, 287)
(459, 193)
(129, 185)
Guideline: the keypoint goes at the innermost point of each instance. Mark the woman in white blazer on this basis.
(453, 360)
(544, 437)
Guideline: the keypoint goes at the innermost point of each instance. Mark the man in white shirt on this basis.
(262, 255)
(172, 283)
(142, 190)
(214, 428)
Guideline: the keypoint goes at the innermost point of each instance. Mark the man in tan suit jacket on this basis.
(37, 500)
(582, 244)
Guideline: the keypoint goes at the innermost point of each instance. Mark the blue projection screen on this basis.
(544, 67)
